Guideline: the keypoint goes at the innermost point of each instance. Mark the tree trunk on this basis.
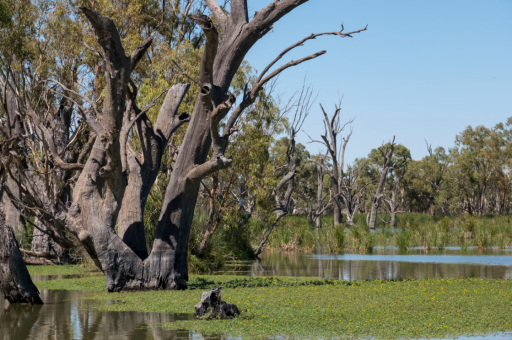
(13, 216)
(387, 154)
(15, 282)
(61, 126)
(43, 243)
(393, 219)
(209, 226)
(338, 219)
(318, 221)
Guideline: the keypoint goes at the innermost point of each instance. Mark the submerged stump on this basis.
(211, 302)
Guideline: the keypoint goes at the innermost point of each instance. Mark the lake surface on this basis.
(67, 315)
(384, 264)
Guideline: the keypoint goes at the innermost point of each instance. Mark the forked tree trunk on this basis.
(15, 282)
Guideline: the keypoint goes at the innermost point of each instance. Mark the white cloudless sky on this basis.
(422, 70)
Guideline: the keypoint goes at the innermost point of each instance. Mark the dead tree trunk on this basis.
(15, 282)
(282, 207)
(387, 153)
(333, 128)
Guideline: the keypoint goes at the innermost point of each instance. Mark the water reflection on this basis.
(385, 264)
(65, 316)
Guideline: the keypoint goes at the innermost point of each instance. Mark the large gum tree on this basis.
(106, 209)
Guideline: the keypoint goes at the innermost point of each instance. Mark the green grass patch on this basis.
(316, 308)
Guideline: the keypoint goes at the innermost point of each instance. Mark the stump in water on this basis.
(15, 282)
(218, 309)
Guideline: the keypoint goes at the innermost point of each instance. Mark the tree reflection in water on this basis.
(65, 316)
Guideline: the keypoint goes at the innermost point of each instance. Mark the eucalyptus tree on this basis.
(397, 168)
(386, 152)
(482, 155)
(354, 187)
(112, 184)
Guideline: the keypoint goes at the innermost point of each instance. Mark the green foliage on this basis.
(339, 233)
(404, 240)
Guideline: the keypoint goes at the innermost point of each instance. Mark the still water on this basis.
(384, 264)
(65, 315)
(69, 315)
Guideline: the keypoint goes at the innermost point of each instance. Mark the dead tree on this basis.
(386, 152)
(287, 175)
(113, 184)
(333, 128)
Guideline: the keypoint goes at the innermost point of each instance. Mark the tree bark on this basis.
(15, 282)
(13, 216)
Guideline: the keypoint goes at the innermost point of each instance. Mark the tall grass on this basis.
(412, 230)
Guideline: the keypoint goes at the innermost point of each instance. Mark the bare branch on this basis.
(301, 43)
(48, 139)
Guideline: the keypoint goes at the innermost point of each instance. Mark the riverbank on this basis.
(316, 308)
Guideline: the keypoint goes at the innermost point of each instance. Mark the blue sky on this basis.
(422, 70)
